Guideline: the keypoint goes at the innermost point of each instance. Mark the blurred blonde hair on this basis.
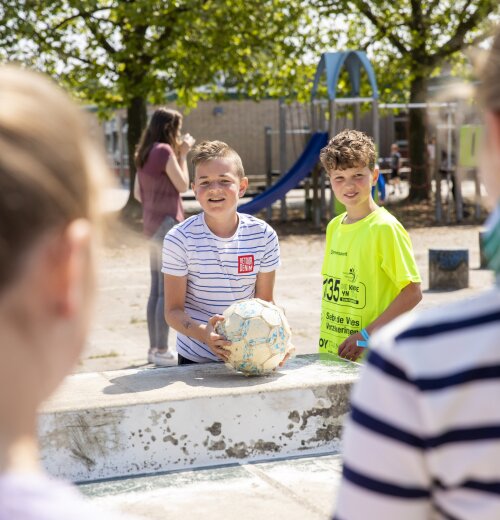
(51, 170)
(208, 150)
(489, 88)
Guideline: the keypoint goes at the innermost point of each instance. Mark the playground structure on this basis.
(290, 161)
(323, 117)
(456, 142)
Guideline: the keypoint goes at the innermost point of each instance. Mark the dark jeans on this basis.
(157, 326)
(181, 360)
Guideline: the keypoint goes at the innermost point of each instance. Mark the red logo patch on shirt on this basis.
(245, 264)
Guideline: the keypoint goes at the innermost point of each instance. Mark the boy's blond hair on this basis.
(208, 150)
(348, 149)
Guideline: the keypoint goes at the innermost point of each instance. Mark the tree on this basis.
(409, 41)
(128, 53)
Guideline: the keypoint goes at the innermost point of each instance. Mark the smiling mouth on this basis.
(215, 200)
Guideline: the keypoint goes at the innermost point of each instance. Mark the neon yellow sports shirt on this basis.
(366, 266)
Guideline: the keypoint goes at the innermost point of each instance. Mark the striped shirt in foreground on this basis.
(423, 437)
(220, 271)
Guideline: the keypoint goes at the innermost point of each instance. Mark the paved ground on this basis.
(119, 335)
(293, 489)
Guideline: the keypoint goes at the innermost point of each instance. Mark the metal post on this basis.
(283, 161)
(268, 147)
(333, 119)
(321, 119)
(437, 177)
(308, 200)
(459, 206)
(448, 165)
(477, 184)
(314, 117)
(356, 117)
(376, 125)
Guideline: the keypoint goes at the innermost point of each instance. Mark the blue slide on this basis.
(304, 164)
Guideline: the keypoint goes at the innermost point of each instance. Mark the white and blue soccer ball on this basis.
(260, 336)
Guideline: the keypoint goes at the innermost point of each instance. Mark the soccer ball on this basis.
(259, 333)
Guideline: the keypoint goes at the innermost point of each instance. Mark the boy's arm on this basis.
(264, 286)
(385, 475)
(176, 317)
(406, 300)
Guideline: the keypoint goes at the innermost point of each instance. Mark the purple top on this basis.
(32, 496)
(158, 194)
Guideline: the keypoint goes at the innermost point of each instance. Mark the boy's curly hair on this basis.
(208, 150)
(348, 149)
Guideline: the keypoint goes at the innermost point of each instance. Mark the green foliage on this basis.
(408, 42)
(408, 39)
(108, 52)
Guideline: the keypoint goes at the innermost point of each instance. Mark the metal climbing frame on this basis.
(331, 64)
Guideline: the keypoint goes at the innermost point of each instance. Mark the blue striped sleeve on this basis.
(174, 257)
(271, 257)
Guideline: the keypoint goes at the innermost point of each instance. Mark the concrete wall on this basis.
(132, 422)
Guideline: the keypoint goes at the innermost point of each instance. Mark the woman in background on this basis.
(162, 175)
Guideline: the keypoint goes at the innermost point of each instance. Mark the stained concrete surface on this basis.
(130, 422)
(292, 489)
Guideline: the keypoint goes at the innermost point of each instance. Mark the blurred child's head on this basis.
(348, 149)
(164, 127)
(210, 150)
(489, 96)
(50, 171)
(394, 147)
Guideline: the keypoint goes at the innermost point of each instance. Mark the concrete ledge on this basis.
(132, 422)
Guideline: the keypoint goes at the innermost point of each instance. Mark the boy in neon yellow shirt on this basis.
(369, 272)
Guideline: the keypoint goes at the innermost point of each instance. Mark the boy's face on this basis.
(217, 187)
(353, 186)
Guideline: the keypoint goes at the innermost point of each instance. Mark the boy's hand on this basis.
(348, 348)
(290, 353)
(214, 341)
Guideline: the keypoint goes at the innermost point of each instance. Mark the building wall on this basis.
(242, 123)
(239, 123)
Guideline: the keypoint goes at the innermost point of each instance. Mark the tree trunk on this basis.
(419, 176)
(136, 122)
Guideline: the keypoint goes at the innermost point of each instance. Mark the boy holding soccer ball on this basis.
(215, 258)
(369, 272)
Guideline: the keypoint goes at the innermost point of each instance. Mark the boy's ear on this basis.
(376, 173)
(243, 186)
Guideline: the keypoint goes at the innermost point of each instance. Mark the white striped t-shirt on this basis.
(423, 437)
(220, 271)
